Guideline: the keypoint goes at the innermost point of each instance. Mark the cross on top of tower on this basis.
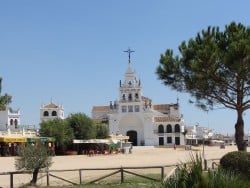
(129, 51)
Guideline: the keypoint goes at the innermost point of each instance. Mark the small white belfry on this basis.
(51, 111)
(9, 119)
(136, 116)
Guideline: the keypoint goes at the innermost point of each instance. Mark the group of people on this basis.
(9, 149)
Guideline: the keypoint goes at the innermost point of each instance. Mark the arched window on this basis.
(169, 128)
(160, 129)
(46, 113)
(177, 128)
(54, 113)
(15, 122)
(130, 97)
(11, 122)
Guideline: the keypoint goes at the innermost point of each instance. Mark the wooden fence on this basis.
(121, 171)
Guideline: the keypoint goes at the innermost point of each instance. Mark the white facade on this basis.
(135, 116)
(9, 119)
(51, 111)
(196, 134)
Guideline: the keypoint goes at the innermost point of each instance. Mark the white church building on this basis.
(51, 111)
(136, 116)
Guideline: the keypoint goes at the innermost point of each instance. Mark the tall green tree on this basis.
(82, 125)
(5, 99)
(214, 67)
(34, 158)
(60, 130)
(101, 130)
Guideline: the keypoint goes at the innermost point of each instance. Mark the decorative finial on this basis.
(129, 51)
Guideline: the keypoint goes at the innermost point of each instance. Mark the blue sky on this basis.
(72, 51)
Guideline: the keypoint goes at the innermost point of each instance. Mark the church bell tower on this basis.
(130, 91)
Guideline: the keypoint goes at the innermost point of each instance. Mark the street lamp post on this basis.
(203, 148)
(203, 151)
(205, 135)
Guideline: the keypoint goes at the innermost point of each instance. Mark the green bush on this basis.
(187, 175)
(237, 162)
(220, 178)
(190, 175)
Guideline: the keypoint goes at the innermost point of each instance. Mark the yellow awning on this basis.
(12, 139)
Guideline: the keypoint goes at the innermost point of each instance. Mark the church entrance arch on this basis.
(132, 137)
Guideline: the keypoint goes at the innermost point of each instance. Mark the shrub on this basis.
(34, 158)
(187, 175)
(237, 162)
(190, 175)
(221, 178)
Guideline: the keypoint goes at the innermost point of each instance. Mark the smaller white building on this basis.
(196, 134)
(51, 111)
(9, 119)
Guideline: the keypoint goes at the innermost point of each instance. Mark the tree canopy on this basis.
(214, 67)
(4, 99)
(76, 126)
(34, 158)
(101, 130)
(82, 125)
(60, 130)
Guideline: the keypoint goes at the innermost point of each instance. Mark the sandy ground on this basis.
(141, 156)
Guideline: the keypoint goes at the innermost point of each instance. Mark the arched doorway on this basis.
(132, 137)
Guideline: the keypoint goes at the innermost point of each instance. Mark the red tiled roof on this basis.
(100, 109)
(51, 105)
